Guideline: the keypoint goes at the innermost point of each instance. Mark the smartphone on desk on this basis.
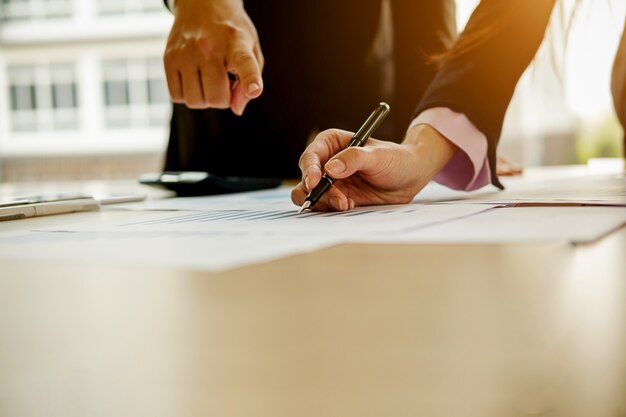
(197, 183)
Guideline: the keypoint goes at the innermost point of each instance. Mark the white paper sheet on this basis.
(218, 239)
(190, 251)
(214, 233)
(588, 190)
(520, 225)
(603, 190)
(280, 199)
(276, 199)
(285, 224)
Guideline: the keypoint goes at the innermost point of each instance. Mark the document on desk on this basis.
(519, 225)
(221, 238)
(213, 233)
(587, 190)
(280, 199)
(190, 251)
(283, 224)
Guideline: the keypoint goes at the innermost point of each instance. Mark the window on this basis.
(15, 9)
(157, 88)
(135, 93)
(56, 8)
(23, 97)
(23, 91)
(116, 7)
(43, 97)
(64, 96)
(35, 9)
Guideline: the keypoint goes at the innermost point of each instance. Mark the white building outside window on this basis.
(135, 93)
(107, 7)
(35, 9)
(43, 97)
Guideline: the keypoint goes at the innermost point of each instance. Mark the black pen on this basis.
(359, 138)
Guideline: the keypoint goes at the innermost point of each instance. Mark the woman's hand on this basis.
(209, 40)
(378, 173)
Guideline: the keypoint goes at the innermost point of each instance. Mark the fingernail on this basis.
(306, 183)
(253, 87)
(350, 204)
(335, 166)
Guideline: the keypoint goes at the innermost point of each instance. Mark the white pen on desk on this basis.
(22, 210)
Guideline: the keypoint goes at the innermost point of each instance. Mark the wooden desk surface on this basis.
(353, 330)
(348, 331)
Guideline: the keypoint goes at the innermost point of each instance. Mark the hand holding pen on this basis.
(379, 173)
(359, 139)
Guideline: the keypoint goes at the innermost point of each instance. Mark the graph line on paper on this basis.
(281, 223)
(256, 215)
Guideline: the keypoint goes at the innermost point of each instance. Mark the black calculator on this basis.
(196, 183)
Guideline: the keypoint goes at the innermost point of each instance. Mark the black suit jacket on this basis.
(479, 81)
(320, 72)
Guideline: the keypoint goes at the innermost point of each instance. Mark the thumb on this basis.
(249, 84)
(243, 62)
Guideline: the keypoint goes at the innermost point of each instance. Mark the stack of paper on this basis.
(227, 231)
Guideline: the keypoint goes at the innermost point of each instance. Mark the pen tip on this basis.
(305, 206)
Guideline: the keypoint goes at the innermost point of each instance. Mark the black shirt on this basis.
(326, 66)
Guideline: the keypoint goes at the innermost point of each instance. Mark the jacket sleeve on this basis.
(478, 77)
(421, 29)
